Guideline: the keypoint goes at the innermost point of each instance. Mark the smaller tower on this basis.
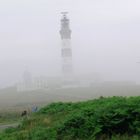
(27, 79)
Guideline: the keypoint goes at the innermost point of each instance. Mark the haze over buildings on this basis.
(67, 78)
(105, 38)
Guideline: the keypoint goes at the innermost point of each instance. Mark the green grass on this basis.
(114, 118)
(9, 117)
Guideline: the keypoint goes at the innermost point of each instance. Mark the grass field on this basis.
(114, 118)
(12, 103)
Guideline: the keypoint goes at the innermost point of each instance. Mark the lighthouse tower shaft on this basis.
(66, 50)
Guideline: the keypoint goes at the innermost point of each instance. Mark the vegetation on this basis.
(9, 117)
(114, 118)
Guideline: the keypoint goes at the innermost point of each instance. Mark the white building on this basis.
(29, 83)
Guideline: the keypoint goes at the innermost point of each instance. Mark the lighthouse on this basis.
(66, 50)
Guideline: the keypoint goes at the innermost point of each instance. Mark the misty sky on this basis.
(105, 38)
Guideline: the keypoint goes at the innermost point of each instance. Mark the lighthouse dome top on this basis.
(65, 31)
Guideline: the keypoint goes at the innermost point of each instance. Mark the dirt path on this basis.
(4, 126)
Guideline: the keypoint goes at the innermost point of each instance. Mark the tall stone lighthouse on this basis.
(66, 50)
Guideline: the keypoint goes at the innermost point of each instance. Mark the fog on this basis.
(105, 38)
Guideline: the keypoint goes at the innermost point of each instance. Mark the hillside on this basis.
(9, 97)
(114, 118)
